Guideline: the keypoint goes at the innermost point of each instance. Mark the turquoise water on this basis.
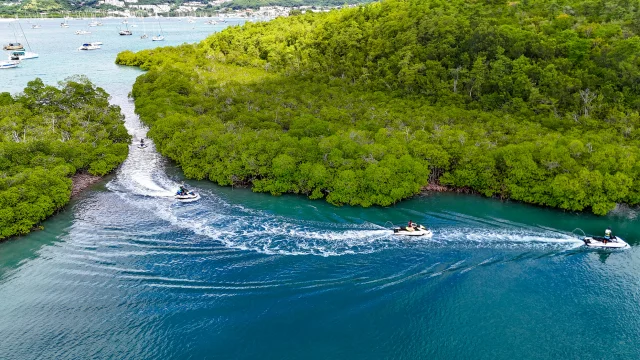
(126, 273)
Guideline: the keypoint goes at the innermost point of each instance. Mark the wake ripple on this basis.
(143, 183)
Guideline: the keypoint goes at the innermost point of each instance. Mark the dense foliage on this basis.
(530, 100)
(47, 134)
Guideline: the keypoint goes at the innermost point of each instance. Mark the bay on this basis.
(125, 272)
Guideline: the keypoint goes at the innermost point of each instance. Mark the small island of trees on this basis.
(48, 134)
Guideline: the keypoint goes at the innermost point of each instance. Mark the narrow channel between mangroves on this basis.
(367, 106)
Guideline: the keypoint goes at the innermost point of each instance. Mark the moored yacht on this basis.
(89, 46)
(10, 64)
(22, 55)
(13, 46)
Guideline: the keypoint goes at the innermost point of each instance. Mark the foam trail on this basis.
(142, 182)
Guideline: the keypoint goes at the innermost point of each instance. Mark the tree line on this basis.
(48, 134)
(529, 100)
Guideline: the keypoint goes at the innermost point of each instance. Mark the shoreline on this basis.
(433, 187)
(79, 183)
(82, 181)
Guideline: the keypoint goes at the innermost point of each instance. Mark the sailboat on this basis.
(21, 54)
(125, 32)
(144, 36)
(160, 36)
(65, 24)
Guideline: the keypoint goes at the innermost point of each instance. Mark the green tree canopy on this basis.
(364, 106)
(48, 134)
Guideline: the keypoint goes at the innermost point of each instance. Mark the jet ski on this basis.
(185, 195)
(416, 230)
(603, 243)
(142, 146)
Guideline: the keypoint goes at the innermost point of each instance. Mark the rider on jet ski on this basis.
(411, 226)
(142, 142)
(608, 236)
(183, 190)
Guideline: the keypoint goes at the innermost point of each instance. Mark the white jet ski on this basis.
(602, 243)
(416, 230)
(142, 146)
(188, 197)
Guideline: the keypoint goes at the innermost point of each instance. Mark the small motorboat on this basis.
(415, 230)
(89, 46)
(13, 46)
(82, 32)
(9, 64)
(36, 26)
(601, 242)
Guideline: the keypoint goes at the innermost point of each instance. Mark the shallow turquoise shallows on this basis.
(125, 272)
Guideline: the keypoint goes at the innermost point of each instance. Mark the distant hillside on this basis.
(45, 5)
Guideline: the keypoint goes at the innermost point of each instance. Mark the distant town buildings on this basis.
(116, 3)
(156, 9)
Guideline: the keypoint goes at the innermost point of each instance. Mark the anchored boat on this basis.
(22, 55)
(13, 46)
(9, 64)
(89, 46)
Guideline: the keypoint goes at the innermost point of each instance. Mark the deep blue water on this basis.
(126, 273)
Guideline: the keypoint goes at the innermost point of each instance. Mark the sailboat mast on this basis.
(25, 36)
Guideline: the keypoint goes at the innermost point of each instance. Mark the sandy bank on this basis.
(81, 181)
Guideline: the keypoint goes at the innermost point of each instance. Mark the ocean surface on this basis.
(125, 272)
